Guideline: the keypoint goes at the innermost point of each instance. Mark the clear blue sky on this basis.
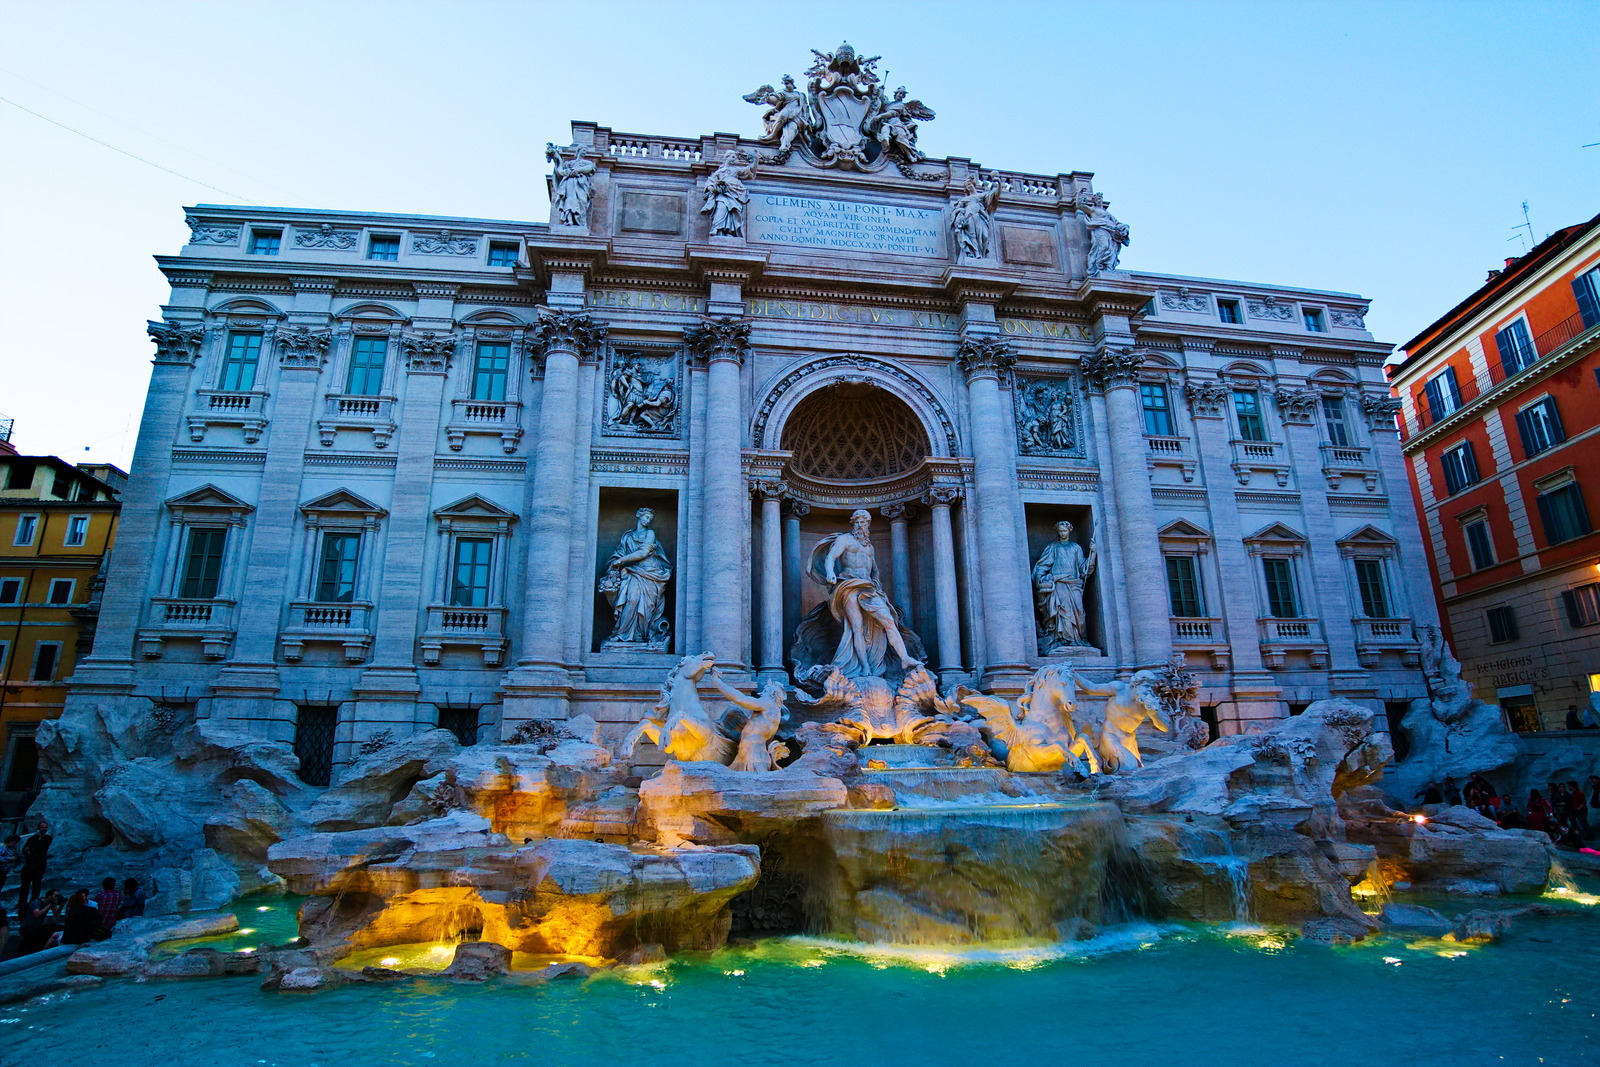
(1380, 148)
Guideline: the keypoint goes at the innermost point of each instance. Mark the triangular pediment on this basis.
(474, 507)
(344, 502)
(209, 496)
(1276, 532)
(1183, 529)
(1368, 535)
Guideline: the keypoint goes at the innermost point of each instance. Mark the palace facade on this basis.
(391, 466)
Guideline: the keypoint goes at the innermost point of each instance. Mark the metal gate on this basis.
(313, 741)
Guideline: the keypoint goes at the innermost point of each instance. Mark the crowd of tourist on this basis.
(44, 918)
(1561, 809)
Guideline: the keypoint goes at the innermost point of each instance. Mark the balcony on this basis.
(211, 622)
(1545, 344)
(314, 622)
(215, 407)
(1377, 636)
(491, 418)
(453, 626)
(1204, 635)
(344, 411)
(1341, 461)
(1282, 636)
(1171, 452)
(1266, 457)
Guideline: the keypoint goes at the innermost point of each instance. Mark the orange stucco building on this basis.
(1501, 426)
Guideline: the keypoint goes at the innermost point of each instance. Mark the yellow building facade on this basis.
(57, 522)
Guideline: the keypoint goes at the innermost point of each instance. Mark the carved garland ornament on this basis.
(1108, 368)
(445, 243)
(325, 236)
(718, 338)
(1380, 410)
(1184, 300)
(201, 234)
(908, 382)
(175, 343)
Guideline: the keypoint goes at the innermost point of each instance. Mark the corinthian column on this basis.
(899, 516)
(947, 611)
(536, 687)
(722, 342)
(1115, 372)
(1002, 564)
(771, 668)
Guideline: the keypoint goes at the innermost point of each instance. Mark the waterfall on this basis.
(1232, 866)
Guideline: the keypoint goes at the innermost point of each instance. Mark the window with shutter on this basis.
(1183, 587)
(1563, 513)
(1516, 347)
(1586, 287)
(1582, 604)
(1539, 426)
(1460, 468)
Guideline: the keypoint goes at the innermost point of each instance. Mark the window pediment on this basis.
(208, 503)
(1367, 541)
(342, 503)
(1276, 538)
(474, 512)
(1182, 532)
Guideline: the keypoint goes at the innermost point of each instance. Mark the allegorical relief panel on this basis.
(1049, 417)
(643, 389)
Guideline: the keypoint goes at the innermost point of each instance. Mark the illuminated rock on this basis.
(707, 803)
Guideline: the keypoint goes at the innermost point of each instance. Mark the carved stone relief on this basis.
(201, 234)
(1349, 318)
(1269, 308)
(1206, 399)
(299, 346)
(1107, 234)
(1047, 417)
(642, 392)
(1298, 406)
(571, 185)
(444, 243)
(325, 236)
(1184, 300)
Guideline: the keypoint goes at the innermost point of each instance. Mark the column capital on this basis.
(799, 509)
(1206, 397)
(427, 352)
(175, 342)
(717, 338)
(574, 332)
(1380, 411)
(1110, 367)
(302, 348)
(902, 511)
(942, 496)
(1297, 406)
(769, 488)
(982, 356)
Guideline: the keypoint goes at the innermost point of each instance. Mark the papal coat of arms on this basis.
(842, 119)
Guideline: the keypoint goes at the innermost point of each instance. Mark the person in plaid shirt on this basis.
(109, 901)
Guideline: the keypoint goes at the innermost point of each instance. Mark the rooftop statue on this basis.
(895, 125)
(969, 219)
(725, 195)
(571, 186)
(1106, 234)
(788, 118)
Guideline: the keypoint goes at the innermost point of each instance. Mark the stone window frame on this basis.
(471, 416)
(208, 507)
(50, 592)
(1369, 542)
(33, 529)
(340, 511)
(211, 404)
(1246, 375)
(1466, 520)
(1329, 383)
(471, 516)
(1280, 541)
(66, 535)
(1184, 538)
(55, 665)
(373, 412)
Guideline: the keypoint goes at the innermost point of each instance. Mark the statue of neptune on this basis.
(846, 563)
(1058, 580)
(635, 584)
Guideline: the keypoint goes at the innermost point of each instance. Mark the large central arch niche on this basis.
(854, 432)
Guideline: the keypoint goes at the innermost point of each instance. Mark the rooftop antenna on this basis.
(1526, 224)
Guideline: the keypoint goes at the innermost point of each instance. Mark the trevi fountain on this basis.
(859, 849)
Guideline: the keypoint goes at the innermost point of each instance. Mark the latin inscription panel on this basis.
(846, 225)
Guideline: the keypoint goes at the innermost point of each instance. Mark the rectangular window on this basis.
(27, 530)
(61, 486)
(314, 727)
(1480, 544)
(1183, 587)
(202, 563)
(239, 364)
(469, 578)
(61, 590)
(336, 567)
(46, 654)
(1314, 320)
(1460, 468)
(1539, 426)
(490, 368)
(502, 254)
(1563, 514)
(1333, 418)
(1282, 603)
(1157, 410)
(366, 366)
(1247, 405)
(265, 242)
(1374, 590)
(1583, 604)
(383, 248)
(1502, 625)
(1442, 394)
(1516, 347)
(77, 531)
(1586, 287)
(1228, 311)
(10, 590)
(463, 722)
(19, 475)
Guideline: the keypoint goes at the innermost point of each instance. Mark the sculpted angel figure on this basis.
(969, 219)
(895, 125)
(635, 584)
(1106, 234)
(785, 118)
(725, 195)
(1058, 580)
(847, 564)
(574, 181)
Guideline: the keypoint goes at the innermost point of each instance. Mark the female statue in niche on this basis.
(635, 585)
(1058, 580)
